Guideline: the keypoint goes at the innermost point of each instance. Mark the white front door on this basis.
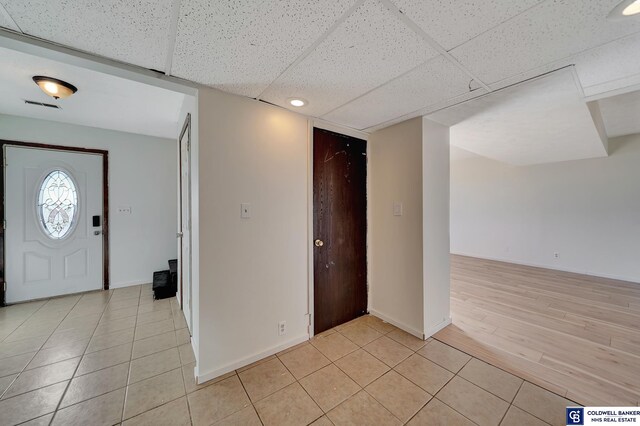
(52, 246)
(185, 220)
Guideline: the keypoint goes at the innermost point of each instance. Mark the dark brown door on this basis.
(340, 228)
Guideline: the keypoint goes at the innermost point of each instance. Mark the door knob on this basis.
(318, 243)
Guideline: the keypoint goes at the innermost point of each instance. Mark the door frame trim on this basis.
(186, 128)
(105, 204)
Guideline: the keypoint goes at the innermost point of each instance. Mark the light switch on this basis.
(245, 210)
(397, 209)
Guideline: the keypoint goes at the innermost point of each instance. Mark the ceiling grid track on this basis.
(424, 111)
(499, 24)
(378, 86)
(173, 34)
(4, 13)
(434, 44)
(313, 46)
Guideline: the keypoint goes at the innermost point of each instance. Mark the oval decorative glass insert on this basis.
(58, 204)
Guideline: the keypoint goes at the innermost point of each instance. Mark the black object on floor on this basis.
(162, 287)
(165, 283)
(173, 269)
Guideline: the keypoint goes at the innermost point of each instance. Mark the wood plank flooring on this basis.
(572, 334)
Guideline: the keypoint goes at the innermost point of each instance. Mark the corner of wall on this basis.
(435, 226)
(598, 121)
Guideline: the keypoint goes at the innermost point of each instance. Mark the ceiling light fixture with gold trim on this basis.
(626, 9)
(55, 88)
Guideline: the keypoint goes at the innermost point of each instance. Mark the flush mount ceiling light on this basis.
(625, 9)
(297, 102)
(55, 88)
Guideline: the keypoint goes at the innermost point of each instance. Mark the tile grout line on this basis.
(64, 393)
(324, 413)
(126, 391)
(248, 397)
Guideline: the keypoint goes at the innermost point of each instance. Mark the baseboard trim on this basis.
(210, 375)
(397, 323)
(551, 267)
(127, 284)
(433, 330)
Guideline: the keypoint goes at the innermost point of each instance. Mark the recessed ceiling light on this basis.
(625, 9)
(55, 88)
(297, 102)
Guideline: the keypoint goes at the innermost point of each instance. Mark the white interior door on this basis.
(52, 247)
(185, 220)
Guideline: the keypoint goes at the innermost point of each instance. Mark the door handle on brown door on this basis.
(318, 243)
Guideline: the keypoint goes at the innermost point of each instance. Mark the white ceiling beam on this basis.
(45, 49)
(434, 44)
(313, 46)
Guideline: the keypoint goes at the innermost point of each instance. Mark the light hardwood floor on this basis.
(576, 335)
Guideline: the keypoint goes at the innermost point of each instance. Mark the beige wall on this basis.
(409, 254)
(253, 272)
(395, 264)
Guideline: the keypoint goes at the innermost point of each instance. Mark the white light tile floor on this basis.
(119, 357)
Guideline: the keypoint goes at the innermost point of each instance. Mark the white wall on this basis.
(587, 211)
(435, 226)
(395, 263)
(253, 272)
(142, 175)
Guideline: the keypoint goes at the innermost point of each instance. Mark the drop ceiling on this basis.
(364, 64)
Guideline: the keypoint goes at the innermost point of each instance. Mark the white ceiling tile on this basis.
(621, 114)
(451, 23)
(458, 100)
(433, 82)
(549, 32)
(6, 21)
(606, 68)
(133, 31)
(596, 66)
(542, 121)
(241, 46)
(370, 48)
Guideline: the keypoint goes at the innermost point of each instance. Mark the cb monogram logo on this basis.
(575, 416)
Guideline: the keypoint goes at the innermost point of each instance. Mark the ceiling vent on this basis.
(42, 104)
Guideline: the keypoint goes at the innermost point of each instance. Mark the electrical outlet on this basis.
(282, 328)
(556, 255)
